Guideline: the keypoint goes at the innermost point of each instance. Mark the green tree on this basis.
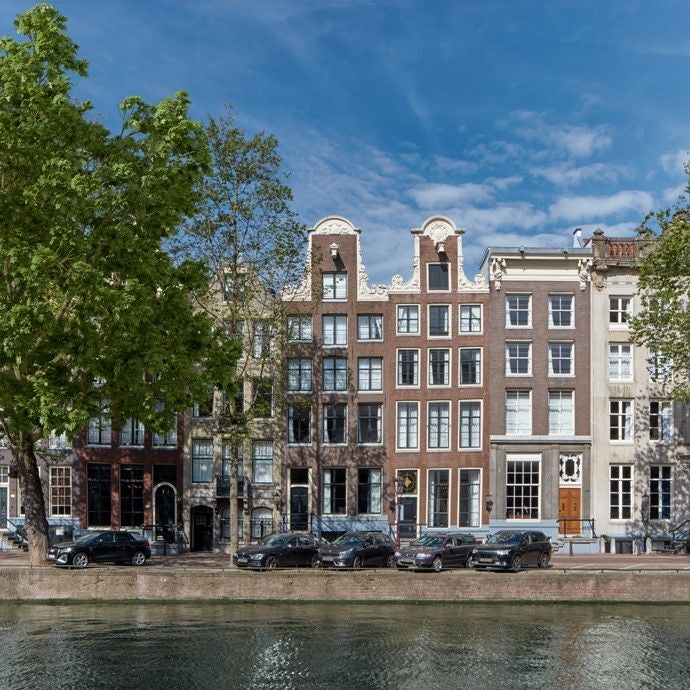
(663, 322)
(252, 244)
(88, 300)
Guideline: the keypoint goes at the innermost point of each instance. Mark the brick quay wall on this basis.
(173, 584)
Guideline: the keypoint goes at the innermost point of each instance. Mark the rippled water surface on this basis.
(344, 646)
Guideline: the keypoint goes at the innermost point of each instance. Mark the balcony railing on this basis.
(223, 487)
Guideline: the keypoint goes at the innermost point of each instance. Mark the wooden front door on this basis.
(569, 511)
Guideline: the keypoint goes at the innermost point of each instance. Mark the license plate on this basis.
(243, 560)
(486, 560)
(330, 559)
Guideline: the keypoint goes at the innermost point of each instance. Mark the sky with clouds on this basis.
(519, 120)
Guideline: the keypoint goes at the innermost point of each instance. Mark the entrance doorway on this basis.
(202, 528)
(569, 511)
(299, 499)
(164, 505)
(408, 517)
(3, 507)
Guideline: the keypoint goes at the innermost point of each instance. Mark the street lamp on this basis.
(399, 486)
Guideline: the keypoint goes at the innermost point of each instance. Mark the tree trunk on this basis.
(35, 522)
(233, 505)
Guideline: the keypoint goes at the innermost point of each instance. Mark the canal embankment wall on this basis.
(143, 584)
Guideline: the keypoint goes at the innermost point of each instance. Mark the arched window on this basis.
(262, 522)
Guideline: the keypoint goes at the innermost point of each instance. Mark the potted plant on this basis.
(607, 543)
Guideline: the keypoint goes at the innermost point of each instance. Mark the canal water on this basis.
(277, 645)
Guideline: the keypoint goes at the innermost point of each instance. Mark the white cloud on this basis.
(671, 194)
(568, 175)
(674, 162)
(576, 208)
(435, 196)
(623, 229)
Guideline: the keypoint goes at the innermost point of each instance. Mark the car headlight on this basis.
(257, 556)
(424, 555)
(397, 554)
(502, 552)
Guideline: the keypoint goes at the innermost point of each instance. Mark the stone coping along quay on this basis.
(208, 577)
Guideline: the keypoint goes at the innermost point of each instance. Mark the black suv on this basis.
(358, 549)
(100, 547)
(438, 550)
(512, 549)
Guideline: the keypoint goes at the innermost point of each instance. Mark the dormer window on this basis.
(438, 277)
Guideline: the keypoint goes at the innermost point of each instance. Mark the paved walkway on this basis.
(560, 561)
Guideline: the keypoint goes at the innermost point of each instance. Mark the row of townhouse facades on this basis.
(514, 399)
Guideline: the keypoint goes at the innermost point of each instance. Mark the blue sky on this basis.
(519, 120)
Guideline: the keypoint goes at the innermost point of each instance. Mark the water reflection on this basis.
(341, 646)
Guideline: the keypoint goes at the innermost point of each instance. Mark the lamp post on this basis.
(489, 503)
(399, 485)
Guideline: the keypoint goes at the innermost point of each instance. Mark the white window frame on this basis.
(515, 458)
(334, 283)
(436, 449)
(324, 420)
(664, 424)
(374, 490)
(617, 360)
(625, 421)
(561, 416)
(518, 309)
(474, 500)
(560, 344)
(476, 404)
(622, 312)
(132, 433)
(656, 488)
(379, 424)
(260, 462)
(298, 325)
(571, 311)
(624, 473)
(198, 460)
(407, 319)
(413, 404)
(397, 367)
(290, 416)
(518, 357)
(519, 403)
(480, 368)
(332, 325)
(369, 318)
(470, 319)
(370, 372)
(429, 502)
(99, 431)
(449, 320)
(304, 372)
(54, 488)
(447, 378)
(339, 369)
(428, 282)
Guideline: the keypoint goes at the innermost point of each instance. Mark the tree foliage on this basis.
(663, 323)
(89, 302)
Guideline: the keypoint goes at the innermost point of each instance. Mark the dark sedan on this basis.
(101, 547)
(512, 549)
(279, 551)
(437, 551)
(358, 549)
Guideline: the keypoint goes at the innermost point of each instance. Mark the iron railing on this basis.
(565, 528)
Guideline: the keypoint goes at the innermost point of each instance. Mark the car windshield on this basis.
(429, 540)
(87, 537)
(505, 537)
(349, 540)
(272, 540)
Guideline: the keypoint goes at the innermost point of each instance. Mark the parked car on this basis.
(358, 549)
(438, 550)
(279, 551)
(101, 547)
(512, 549)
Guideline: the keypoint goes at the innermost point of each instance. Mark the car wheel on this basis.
(392, 561)
(138, 558)
(315, 561)
(271, 563)
(437, 564)
(516, 563)
(544, 560)
(468, 561)
(357, 562)
(80, 560)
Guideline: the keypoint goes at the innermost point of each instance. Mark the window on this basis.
(561, 359)
(439, 323)
(659, 368)
(334, 374)
(369, 423)
(561, 413)
(470, 499)
(204, 408)
(299, 329)
(660, 492)
(369, 327)
(335, 330)
(439, 425)
(262, 462)
(98, 487)
(470, 366)
(202, 459)
(239, 285)
(369, 370)
(369, 491)
(58, 441)
(620, 420)
(518, 359)
(60, 491)
(299, 423)
(334, 417)
(518, 413)
(408, 367)
(438, 498)
(518, 311)
(620, 362)
(132, 433)
(334, 488)
(408, 425)
(299, 375)
(620, 492)
(262, 397)
(261, 346)
(470, 424)
(334, 285)
(165, 439)
(620, 310)
(470, 318)
(439, 367)
(439, 277)
(661, 420)
(522, 489)
(99, 430)
(560, 311)
(132, 495)
(408, 319)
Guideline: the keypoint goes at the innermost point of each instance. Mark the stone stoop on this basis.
(580, 545)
